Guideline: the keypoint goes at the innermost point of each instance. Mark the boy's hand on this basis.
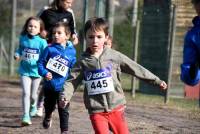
(62, 103)
(43, 34)
(74, 39)
(48, 76)
(163, 85)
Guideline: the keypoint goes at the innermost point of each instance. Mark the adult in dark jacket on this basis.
(59, 10)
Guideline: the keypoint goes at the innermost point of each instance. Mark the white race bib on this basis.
(98, 82)
(57, 67)
(30, 54)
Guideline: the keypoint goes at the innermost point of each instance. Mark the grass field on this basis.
(190, 105)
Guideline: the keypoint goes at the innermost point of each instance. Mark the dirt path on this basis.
(141, 119)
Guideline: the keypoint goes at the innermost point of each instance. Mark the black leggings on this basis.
(50, 101)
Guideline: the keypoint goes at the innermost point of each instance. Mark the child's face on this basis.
(60, 36)
(66, 4)
(33, 27)
(95, 40)
(109, 43)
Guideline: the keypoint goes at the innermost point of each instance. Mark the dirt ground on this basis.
(141, 119)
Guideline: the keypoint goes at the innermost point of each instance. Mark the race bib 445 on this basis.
(98, 81)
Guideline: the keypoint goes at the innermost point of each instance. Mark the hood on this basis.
(196, 21)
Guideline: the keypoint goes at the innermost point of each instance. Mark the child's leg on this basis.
(41, 95)
(117, 121)
(40, 103)
(35, 86)
(41, 98)
(100, 123)
(26, 86)
(50, 99)
(64, 117)
(34, 95)
(49, 105)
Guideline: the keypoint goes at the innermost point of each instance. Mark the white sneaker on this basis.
(40, 112)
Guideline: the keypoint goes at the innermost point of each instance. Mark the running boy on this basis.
(31, 45)
(54, 65)
(58, 10)
(100, 68)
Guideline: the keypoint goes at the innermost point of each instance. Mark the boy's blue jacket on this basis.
(65, 56)
(190, 73)
(29, 50)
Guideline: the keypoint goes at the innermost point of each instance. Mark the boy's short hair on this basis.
(96, 24)
(65, 25)
(195, 1)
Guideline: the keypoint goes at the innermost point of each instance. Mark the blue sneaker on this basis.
(33, 111)
(26, 120)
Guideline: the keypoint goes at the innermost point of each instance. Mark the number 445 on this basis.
(99, 84)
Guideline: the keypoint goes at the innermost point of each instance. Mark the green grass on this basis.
(190, 106)
(176, 103)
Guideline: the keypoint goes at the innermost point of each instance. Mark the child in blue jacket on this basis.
(190, 73)
(54, 65)
(31, 46)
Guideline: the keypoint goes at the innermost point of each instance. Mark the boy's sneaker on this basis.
(64, 132)
(40, 112)
(33, 110)
(47, 123)
(26, 120)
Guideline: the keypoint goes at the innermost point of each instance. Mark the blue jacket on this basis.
(29, 50)
(190, 73)
(57, 60)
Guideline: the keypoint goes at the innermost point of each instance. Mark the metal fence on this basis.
(154, 41)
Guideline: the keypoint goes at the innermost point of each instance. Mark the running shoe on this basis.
(33, 110)
(64, 132)
(47, 122)
(26, 120)
(40, 112)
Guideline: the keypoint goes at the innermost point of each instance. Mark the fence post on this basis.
(85, 10)
(1, 53)
(13, 38)
(171, 49)
(100, 8)
(134, 83)
(110, 13)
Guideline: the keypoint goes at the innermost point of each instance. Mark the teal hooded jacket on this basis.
(29, 50)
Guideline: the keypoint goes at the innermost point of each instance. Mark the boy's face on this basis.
(59, 35)
(66, 4)
(109, 43)
(33, 27)
(95, 40)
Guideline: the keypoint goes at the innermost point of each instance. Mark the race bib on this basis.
(98, 81)
(30, 54)
(58, 65)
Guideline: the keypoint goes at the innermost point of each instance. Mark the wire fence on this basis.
(155, 42)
